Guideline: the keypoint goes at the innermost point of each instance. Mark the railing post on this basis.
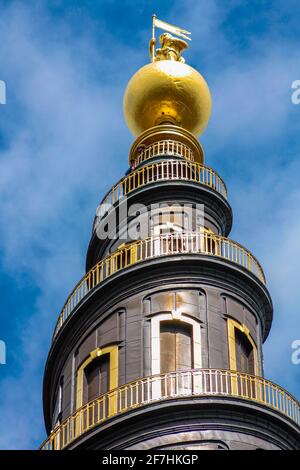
(112, 403)
(156, 386)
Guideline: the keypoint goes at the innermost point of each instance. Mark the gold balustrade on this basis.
(171, 170)
(164, 147)
(179, 384)
(154, 247)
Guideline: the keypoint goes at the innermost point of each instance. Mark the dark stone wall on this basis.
(128, 325)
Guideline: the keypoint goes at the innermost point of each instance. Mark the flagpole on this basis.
(153, 40)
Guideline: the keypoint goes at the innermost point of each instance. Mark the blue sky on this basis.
(63, 143)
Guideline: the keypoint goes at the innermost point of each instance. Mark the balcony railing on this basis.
(164, 147)
(187, 383)
(154, 247)
(161, 171)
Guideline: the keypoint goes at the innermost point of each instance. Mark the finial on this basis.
(167, 91)
(172, 47)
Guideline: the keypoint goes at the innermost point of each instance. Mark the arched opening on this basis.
(96, 378)
(175, 346)
(244, 353)
(176, 354)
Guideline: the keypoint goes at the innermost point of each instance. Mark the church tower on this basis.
(159, 346)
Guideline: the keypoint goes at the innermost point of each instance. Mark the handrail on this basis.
(179, 384)
(161, 171)
(163, 147)
(154, 247)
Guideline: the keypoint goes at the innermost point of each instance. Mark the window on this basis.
(121, 258)
(60, 395)
(243, 358)
(57, 415)
(242, 348)
(176, 353)
(175, 346)
(173, 323)
(209, 241)
(167, 220)
(196, 445)
(97, 375)
(244, 353)
(96, 378)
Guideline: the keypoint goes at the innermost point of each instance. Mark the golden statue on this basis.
(167, 91)
(171, 48)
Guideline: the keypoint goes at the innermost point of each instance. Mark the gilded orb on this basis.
(167, 91)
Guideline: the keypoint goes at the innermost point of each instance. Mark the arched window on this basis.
(58, 409)
(176, 352)
(96, 378)
(175, 346)
(242, 349)
(196, 445)
(209, 241)
(168, 219)
(244, 353)
(243, 357)
(97, 375)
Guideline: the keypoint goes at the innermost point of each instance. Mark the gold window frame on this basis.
(113, 374)
(232, 326)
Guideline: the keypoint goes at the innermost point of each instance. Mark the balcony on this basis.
(165, 140)
(162, 148)
(173, 385)
(171, 170)
(156, 247)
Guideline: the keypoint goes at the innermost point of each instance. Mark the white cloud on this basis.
(53, 171)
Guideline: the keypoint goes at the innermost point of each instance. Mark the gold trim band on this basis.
(113, 372)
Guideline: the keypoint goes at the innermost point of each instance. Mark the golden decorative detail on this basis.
(167, 91)
(174, 48)
(171, 48)
(148, 140)
(113, 373)
(232, 325)
(161, 148)
(180, 384)
(175, 170)
(170, 28)
(155, 247)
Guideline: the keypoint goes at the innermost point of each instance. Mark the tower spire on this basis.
(159, 346)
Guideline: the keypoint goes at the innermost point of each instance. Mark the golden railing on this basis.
(164, 147)
(187, 383)
(154, 247)
(162, 171)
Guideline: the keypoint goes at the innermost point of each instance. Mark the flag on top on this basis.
(171, 29)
